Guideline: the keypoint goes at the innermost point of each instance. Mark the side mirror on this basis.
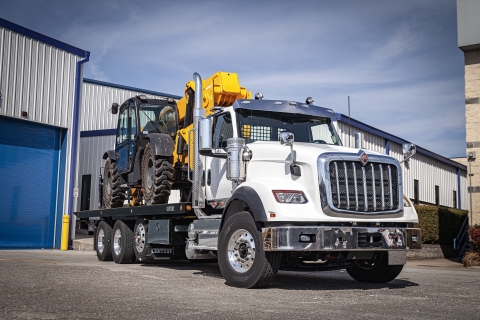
(286, 138)
(114, 108)
(409, 150)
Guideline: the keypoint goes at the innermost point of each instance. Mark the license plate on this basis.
(163, 251)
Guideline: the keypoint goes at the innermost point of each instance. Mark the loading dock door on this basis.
(86, 183)
(29, 168)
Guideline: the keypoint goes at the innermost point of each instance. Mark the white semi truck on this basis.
(268, 186)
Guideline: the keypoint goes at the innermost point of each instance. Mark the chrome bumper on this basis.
(289, 238)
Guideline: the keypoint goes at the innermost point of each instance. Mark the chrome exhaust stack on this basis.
(198, 199)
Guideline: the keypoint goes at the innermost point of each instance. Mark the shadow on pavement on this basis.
(289, 280)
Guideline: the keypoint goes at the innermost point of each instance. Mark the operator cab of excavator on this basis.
(157, 116)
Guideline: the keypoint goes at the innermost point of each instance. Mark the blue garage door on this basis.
(29, 167)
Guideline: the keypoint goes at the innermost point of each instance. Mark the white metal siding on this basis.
(96, 103)
(37, 78)
(463, 190)
(91, 162)
(372, 142)
(430, 173)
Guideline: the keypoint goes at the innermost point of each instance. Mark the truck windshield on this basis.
(257, 125)
(156, 118)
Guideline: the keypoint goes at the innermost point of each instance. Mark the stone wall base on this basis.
(432, 251)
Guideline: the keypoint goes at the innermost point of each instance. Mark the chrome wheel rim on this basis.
(100, 239)
(150, 174)
(140, 237)
(241, 250)
(117, 237)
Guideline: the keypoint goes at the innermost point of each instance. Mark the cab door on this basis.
(123, 143)
(217, 186)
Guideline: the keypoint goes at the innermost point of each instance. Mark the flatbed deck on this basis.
(170, 209)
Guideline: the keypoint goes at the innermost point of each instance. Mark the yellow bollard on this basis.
(65, 231)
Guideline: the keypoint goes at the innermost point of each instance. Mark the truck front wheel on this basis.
(375, 271)
(157, 177)
(241, 257)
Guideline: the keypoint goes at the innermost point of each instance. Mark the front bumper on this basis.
(292, 238)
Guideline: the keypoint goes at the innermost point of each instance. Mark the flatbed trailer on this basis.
(144, 233)
(131, 213)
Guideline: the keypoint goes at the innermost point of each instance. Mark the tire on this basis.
(157, 177)
(102, 240)
(140, 240)
(375, 271)
(241, 257)
(113, 194)
(122, 243)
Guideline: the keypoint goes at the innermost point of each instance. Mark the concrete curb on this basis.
(83, 244)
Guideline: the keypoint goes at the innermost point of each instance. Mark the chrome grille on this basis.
(369, 188)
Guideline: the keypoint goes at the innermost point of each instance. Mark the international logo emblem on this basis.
(363, 157)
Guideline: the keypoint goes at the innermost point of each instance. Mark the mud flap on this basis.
(397, 257)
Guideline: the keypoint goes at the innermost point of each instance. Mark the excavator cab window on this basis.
(157, 118)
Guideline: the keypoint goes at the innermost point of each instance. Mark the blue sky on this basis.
(397, 60)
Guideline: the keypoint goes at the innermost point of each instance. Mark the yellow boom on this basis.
(222, 89)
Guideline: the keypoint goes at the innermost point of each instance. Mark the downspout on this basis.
(198, 113)
(75, 134)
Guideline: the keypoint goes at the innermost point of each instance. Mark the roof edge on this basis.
(119, 86)
(360, 125)
(42, 38)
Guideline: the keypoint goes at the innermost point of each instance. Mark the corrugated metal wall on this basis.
(372, 142)
(97, 101)
(36, 78)
(91, 162)
(428, 171)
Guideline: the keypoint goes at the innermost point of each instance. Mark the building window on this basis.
(454, 198)
(415, 191)
(437, 196)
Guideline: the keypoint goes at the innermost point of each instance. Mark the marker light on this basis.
(406, 202)
(289, 196)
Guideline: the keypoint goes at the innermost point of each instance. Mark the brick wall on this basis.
(472, 114)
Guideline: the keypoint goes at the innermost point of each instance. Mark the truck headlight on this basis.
(406, 202)
(289, 196)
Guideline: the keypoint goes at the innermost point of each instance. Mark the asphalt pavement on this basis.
(53, 284)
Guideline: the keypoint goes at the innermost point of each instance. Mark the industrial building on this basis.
(40, 92)
(469, 42)
(55, 126)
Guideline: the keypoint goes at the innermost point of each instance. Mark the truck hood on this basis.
(304, 152)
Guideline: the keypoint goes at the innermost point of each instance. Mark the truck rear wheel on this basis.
(375, 271)
(113, 195)
(140, 240)
(122, 243)
(102, 240)
(241, 257)
(157, 177)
